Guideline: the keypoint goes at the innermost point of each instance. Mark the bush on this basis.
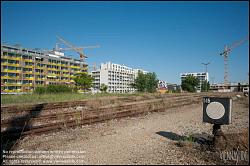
(54, 89)
(40, 90)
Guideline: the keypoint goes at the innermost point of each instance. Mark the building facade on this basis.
(22, 70)
(117, 77)
(202, 76)
(231, 87)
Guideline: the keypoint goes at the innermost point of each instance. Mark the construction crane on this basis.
(225, 54)
(79, 50)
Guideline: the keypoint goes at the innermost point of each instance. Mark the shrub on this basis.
(40, 90)
(54, 89)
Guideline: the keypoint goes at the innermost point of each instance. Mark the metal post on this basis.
(217, 130)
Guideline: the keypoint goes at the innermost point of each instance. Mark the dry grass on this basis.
(233, 141)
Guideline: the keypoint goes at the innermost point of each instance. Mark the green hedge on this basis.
(54, 89)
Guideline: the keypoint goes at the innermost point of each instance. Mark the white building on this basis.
(202, 76)
(162, 84)
(117, 77)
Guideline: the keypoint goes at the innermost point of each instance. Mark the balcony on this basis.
(28, 84)
(64, 70)
(39, 73)
(53, 75)
(27, 72)
(10, 64)
(76, 67)
(12, 84)
(28, 66)
(28, 60)
(28, 78)
(78, 72)
(10, 57)
(9, 77)
(64, 65)
(40, 67)
(54, 69)
(40, 79)
(12, 71)
(56, 64)
(8, 90)
(66, 75)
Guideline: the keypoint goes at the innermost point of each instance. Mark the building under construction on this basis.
(24, 69)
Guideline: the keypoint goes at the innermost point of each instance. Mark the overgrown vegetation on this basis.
(190, 83)
(103, 88)
(146, 82)
(53, 89)
(56, 97)
(205, 86)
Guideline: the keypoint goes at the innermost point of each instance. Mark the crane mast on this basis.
(225, 55)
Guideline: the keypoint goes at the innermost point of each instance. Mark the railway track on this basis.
(34, 123)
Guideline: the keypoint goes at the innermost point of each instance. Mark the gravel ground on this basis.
(148, 139)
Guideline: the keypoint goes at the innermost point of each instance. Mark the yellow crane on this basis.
(70, 46)
(225, 54)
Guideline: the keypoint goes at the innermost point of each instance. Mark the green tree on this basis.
(145, 82)
(190, 83)
(103, 88)
(151, 82)
(205, 86)
(83, 80)
(140, 82)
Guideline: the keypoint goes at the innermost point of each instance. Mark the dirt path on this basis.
(146, 139)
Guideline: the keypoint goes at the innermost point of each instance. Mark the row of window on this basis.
(37, 59)
(36, 70)
(122, 71)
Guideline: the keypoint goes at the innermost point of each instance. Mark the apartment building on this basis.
(24, 69)
(117, 77)
(202, 76)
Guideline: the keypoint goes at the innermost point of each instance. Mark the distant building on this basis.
(162, 84)
(162, 87)
(173, 87)
(231, 87)
(117, 77)
(202, 76)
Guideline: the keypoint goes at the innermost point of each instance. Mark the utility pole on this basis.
(212, 78)
(206, 65)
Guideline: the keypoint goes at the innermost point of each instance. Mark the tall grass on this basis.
(47, 98)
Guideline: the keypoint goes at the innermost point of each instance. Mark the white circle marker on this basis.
(215, 110)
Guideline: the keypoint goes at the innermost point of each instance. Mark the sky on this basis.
(167, 38)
